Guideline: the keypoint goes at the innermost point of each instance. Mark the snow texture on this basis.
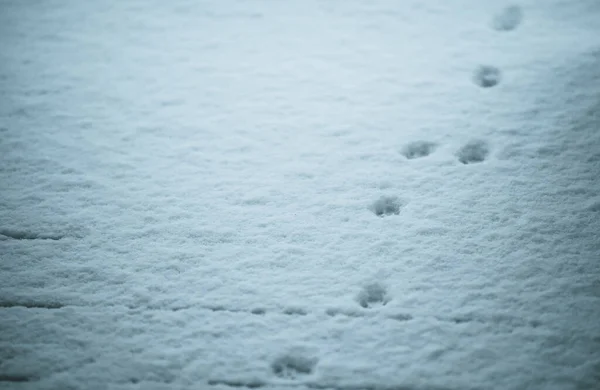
(300, 194)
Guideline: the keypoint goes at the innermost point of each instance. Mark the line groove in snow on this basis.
(27, 235)
(6, 304)
(15, 378)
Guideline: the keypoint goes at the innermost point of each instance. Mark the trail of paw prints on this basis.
(474, 151)
(507, 19)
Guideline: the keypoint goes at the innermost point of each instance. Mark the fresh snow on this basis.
(302, 194)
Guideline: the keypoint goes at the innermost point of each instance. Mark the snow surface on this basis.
(302, 194)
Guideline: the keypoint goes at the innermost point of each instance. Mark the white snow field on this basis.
(302, 194)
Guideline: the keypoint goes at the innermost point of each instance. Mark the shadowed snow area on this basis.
(487, 76)
(473, 152)
(300, 194)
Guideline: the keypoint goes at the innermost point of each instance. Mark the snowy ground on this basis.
(300, 194)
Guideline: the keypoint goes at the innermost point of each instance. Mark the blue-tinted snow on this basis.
(315, 194)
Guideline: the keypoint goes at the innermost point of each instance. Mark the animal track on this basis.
(294, 363)
(474, 151)
(373, 294)
(418, 149)
(487, 76)
(508, 19)
(386, 205)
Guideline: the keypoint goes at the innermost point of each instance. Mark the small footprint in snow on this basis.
(386, 205)
(418, 149)
(294, 363)
(474, 151)
(487, 76)
(508, 19)
(373, 294)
